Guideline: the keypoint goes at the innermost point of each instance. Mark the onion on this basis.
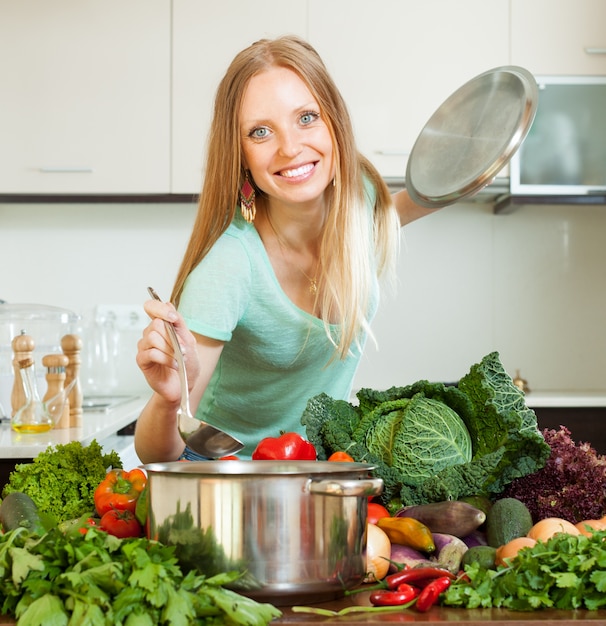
(378, 553)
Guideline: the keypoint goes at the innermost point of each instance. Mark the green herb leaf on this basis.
(566, 572)
(99, 580)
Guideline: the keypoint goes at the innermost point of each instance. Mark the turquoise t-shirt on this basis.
(276, 356)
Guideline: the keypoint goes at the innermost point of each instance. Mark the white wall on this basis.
(529, 284)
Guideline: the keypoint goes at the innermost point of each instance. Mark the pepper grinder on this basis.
(521, 383)
(56, 365)
(23, 348)
(71, 346)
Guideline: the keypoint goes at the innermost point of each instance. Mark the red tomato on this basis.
(375, 512)
(229, 457)
(91, 521)
(121, 524)
(340, 456)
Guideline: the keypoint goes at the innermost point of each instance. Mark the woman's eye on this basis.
(259, 133)
(308, 117)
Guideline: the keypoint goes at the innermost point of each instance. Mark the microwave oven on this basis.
(564, 153)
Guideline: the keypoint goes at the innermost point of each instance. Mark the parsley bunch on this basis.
(566, 572)
(100, 580)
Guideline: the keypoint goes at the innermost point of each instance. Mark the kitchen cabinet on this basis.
(586, 424)
(396, 61)
(559, 36)
(85, 96)
(206, 37)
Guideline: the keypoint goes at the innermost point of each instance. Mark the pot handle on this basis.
(332, 487)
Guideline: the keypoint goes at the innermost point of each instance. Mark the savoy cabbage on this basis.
(431, 442)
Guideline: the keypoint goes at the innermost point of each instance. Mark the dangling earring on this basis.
(247, 201)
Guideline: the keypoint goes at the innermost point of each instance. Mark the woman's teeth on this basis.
(304, 169)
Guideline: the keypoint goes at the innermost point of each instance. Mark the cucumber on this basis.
(507, 519)
(18, 510)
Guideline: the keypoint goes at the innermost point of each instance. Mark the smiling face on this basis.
(286, 144)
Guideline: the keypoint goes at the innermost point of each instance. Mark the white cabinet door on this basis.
(85, 96)
(559, 36)
(396, 61)
(207, 35)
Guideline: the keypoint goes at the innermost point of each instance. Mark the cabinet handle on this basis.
(595, 50)
(66, 170)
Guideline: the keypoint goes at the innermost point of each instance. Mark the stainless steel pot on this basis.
(294, 529)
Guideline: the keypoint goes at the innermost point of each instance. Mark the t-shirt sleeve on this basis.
(217, 291)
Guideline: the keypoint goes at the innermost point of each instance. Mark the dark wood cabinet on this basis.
(584, 423)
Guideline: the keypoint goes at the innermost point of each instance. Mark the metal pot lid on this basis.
(471, 136)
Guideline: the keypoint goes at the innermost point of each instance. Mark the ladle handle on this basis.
(178, 355)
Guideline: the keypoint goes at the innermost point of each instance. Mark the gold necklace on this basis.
(313, 282)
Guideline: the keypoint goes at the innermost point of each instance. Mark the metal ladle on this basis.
(200, 436)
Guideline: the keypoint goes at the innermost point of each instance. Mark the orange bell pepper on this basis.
(119, 491)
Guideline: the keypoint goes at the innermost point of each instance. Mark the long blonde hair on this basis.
(354, 248)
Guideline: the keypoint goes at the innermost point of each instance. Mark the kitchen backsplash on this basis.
(530, 285)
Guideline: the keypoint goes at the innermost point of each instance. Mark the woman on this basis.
(280, 277)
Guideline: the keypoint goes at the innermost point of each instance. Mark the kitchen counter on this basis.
(101, 425)
(438, 615)
(565, 399)
(97, 425)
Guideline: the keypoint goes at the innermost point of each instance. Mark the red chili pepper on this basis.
(394, 598)
(409, 588)
(286, 447)
(119, 490)
(430, 594)
(415, 575)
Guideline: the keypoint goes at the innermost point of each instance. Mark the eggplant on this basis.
(476, 538)
(451, 516)
(449, 551)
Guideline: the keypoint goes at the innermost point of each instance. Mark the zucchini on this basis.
(507, 519)
(452, 517)
(18, 510)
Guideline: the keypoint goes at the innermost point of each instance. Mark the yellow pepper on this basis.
(407, 531)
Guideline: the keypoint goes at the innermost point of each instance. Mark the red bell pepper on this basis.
(286, 447)
(119, 491)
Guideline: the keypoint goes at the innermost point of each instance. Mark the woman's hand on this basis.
(155, 356)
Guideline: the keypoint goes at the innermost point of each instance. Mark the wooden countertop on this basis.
(436, 616)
